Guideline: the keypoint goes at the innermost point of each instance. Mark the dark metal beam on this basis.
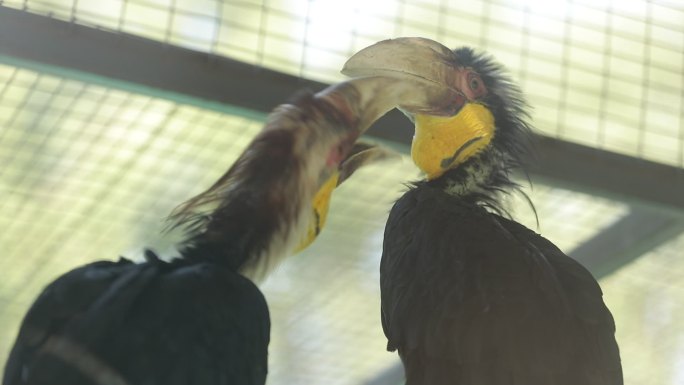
(71, 48)
(626, 240)
(148, 66)
(615, 176)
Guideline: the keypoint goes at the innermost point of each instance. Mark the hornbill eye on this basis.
(476, 85)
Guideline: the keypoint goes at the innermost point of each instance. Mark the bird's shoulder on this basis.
(211, 322)
(187, 320)
(464, 284)
(441, 228)
(63, 302)
(428, 226)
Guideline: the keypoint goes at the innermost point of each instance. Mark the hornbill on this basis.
(469, 296)
(199, 319)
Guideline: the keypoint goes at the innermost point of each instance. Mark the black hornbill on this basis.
(197, 319)
(469, 296)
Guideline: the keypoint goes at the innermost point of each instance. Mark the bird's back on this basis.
(116, 323)
(470, 297)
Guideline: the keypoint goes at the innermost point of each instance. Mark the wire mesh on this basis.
(603, 73)
(648, 293)
(554, 206)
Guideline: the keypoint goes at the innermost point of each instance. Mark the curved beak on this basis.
(413, 59)
(447, 131)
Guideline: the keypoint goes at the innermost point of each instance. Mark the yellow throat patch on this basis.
(320, 205)
(440, 142)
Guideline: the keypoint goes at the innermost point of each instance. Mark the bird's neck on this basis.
(254, 215)
(247, 235)
(232, 236)
(467, 179)
(479, 178)
(255, 226)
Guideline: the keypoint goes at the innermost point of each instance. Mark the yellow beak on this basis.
(320, 206)
(440, 143)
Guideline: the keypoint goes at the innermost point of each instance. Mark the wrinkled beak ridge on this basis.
(422, 62)
(415, 74)
(361, 101)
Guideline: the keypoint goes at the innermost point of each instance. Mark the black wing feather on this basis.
(472, 298)
(148, 323)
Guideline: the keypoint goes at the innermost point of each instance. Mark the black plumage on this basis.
(154, 322)
(469, 296)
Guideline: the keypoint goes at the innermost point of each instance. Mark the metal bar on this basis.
(626, 240)
(151, 67)
(638, 182)
(73, 49)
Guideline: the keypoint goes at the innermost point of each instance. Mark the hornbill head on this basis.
(274, 198)
(483, 124)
